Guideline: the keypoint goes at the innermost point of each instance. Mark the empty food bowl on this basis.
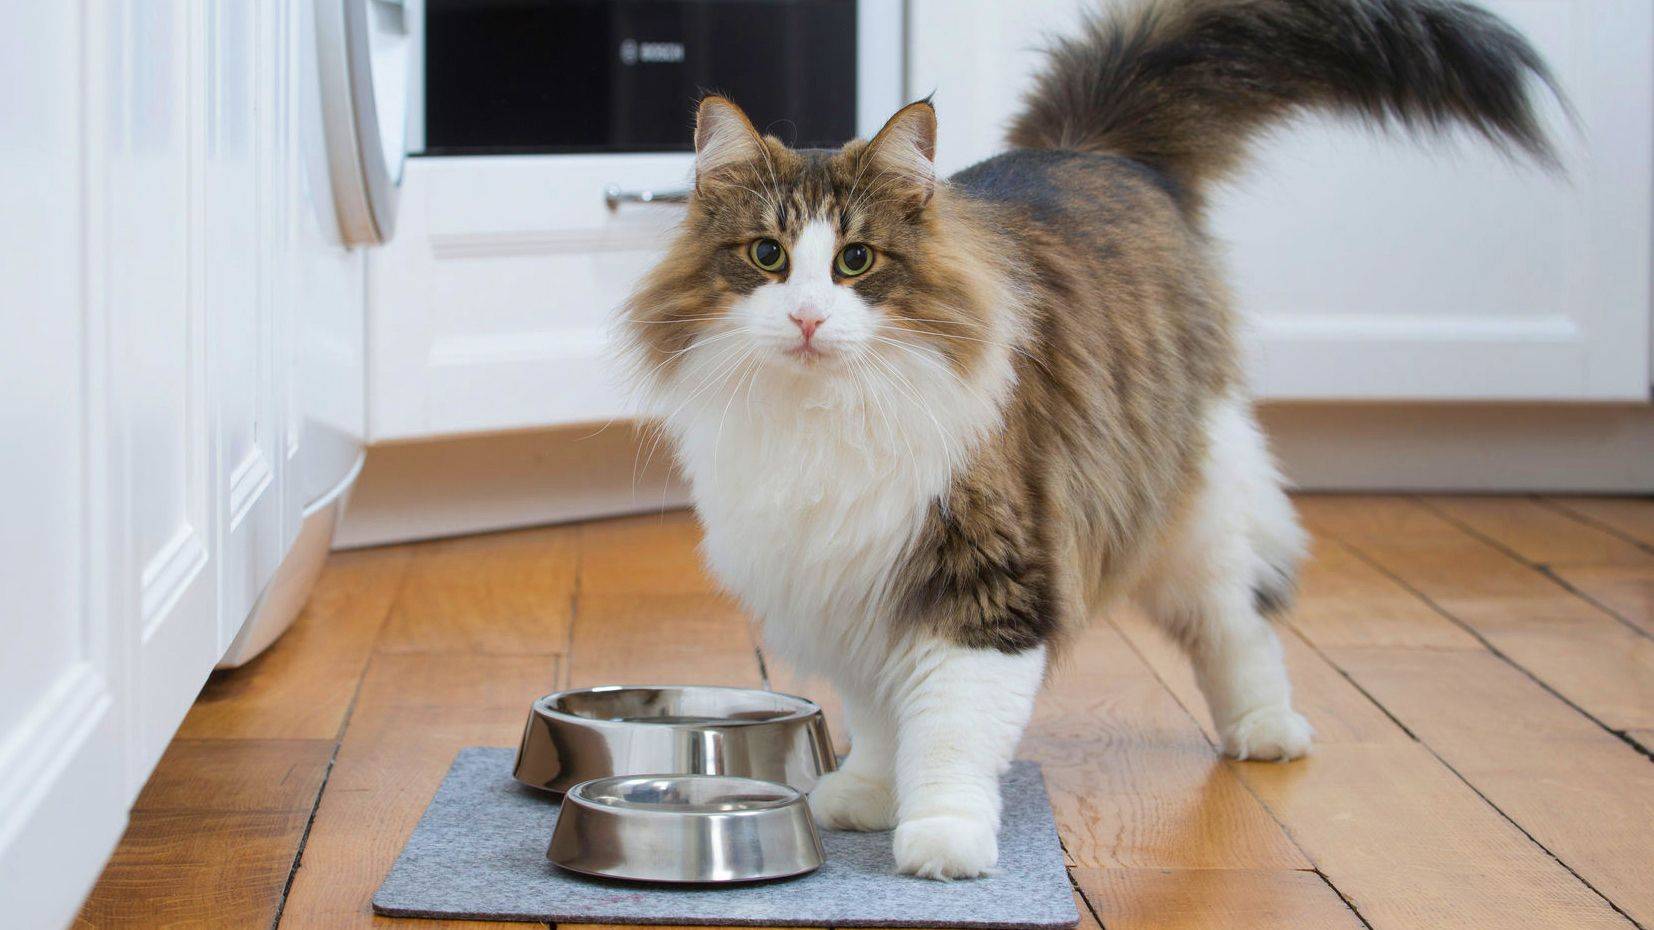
(685, 828)
(587, 733)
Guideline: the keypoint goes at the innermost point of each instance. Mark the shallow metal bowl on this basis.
(586, 733)
(685, 828)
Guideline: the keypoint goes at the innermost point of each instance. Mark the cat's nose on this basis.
(808, 319)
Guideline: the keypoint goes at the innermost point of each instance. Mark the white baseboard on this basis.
(450, 487)
(1586, 449)
(475, 484)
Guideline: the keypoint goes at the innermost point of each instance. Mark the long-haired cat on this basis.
(934, 425)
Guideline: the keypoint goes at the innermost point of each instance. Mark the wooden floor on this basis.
(1480, 671)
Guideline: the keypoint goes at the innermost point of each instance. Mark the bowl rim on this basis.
(576, 796)
(805, 710)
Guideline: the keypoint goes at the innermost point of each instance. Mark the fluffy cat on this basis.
(934, 425)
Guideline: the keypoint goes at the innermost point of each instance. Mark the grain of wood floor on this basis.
(1480, 671)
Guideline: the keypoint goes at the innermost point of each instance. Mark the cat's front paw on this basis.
(1269, 734)
(845, 800)
(946, 847)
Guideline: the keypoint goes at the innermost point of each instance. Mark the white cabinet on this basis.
(1384, 269)
(490, 311)
(164, 293)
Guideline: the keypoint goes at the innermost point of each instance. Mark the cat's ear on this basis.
(724, 137)
(906, 148)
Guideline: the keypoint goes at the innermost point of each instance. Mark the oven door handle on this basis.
(614, 196)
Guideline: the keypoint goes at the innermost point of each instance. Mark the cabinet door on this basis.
(63, 759)
(158, 367)
(240, 253)
(491, 308)
(1384, 268)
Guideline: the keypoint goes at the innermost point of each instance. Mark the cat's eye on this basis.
(854, 259)
(768, 254)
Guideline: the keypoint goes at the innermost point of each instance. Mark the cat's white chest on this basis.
(807, 527)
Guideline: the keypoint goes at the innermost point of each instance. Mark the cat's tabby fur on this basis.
(922, 478)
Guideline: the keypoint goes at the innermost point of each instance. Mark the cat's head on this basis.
(819, 273)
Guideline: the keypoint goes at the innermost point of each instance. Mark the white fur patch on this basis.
(1240, 536)
(812, 477)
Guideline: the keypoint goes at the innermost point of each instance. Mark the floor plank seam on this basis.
(1531, 838)
(1080, 892)
(1488, 644)
(1460, 776)
(338, 743)
(304, 837)
(1546, 570)
(1245, 784)
(1543, 570)
(1343, 897)
(1593, 523)
(1304, 638)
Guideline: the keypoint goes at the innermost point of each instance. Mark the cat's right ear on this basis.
(724, 138)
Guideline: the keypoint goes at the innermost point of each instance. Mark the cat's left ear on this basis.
(724, 138)
(906, 148)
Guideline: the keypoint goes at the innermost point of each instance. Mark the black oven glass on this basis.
(523, 76)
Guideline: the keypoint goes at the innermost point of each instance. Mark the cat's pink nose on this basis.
(809, 319)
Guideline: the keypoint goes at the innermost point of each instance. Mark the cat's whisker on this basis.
(919, 353)
(746, 372)
(697, 344)
(706, 381)
(890, 429)
(919, 401)
(1018, 350)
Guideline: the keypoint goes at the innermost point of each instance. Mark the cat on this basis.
(933, 425)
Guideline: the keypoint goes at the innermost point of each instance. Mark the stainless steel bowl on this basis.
(586, 733)
(685, 828)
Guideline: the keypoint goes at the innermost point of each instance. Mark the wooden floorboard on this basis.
(302, 686)
(1630, 517)
(1409, 845)
(1469, 866)
(1612, 570)
(1133, 782)
(1590, 657)
(502, 594)
(661, 639)
(1464, 662)
(1581, 793)
(1214, 899)
(212, 836)
(414, 714)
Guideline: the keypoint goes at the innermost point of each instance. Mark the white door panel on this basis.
(63, 760)
(491, 310)
(1380, 268)
(159, 335)
(239, 263)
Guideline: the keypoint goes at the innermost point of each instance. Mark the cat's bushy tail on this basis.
(1183, 85)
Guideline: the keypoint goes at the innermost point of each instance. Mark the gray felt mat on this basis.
(480, 852)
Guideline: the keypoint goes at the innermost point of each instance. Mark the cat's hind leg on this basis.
(1231, 559)
(959, 718)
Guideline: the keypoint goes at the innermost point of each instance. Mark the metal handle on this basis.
(613, 196)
